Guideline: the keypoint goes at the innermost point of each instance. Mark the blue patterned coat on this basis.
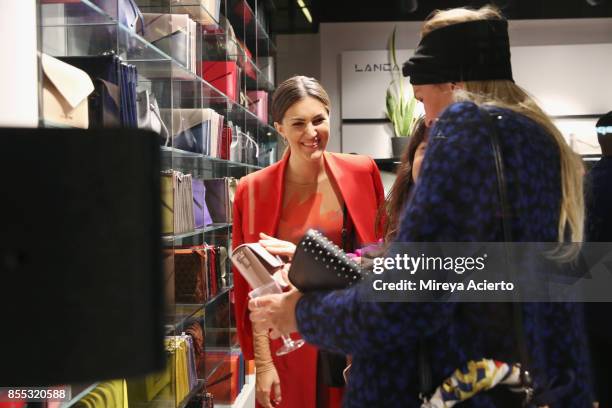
(456, 200)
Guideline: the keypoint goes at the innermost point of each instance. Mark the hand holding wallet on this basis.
(319, 264)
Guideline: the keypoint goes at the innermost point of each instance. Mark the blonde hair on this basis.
(506, 94)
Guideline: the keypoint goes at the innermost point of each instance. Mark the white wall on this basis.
(298, 54)
(336, 38)
(19, 69)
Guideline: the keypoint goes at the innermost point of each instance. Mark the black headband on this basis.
(471, 51)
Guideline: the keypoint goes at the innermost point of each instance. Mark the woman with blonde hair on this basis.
(496, 169)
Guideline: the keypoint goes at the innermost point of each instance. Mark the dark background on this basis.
(286, 17)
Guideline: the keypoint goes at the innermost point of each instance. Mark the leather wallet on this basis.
(255, 264)
(319, 264)
(65, 93)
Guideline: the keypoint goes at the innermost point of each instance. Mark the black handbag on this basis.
(319, 264)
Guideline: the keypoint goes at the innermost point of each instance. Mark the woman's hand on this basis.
(276, 246)
(267, 388)
(276, 312)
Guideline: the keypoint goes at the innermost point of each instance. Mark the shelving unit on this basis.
(76, 28)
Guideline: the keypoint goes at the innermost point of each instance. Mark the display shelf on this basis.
(79, 391)
(214, 38)
(168, 239)
(221, 293)
(182, 313)
(195, 391)
(174, 153)
(196, 11)
(92, 28)
(55, 125)
(222, 355)
(244, 21)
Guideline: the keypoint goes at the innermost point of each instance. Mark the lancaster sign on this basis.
(386, 67)
(366, 75)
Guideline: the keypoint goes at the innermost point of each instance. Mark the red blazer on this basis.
(257, 208)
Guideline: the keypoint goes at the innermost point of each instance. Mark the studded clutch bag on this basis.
(319, 264)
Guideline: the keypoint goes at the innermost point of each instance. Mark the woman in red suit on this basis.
(338, 194)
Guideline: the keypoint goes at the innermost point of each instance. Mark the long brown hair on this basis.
(293, 90)
(403, 184)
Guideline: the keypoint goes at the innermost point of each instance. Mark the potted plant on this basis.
(400, 105)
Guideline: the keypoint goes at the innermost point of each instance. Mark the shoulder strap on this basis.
(424, 367)
(517, 310)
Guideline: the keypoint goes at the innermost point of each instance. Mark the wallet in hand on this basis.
(319, 264)
(255, 264)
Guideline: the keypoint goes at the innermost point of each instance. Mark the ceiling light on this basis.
(307, 14)
(301, 3)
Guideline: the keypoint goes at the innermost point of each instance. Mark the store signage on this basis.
(374, 67)
(366, 75)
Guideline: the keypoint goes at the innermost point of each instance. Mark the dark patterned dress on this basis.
(456, 200)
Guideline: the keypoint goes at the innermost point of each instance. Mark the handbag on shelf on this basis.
(219, 199)
(177, 203)
(197, 130)
(105, 105)
(126, 12)
(191, 265)
(112, 70)
(149, 116)
(319, 264)
(65, 93)
(206, 12)
(167, 203)
(175, 35)
(201, 214)
(197, 334)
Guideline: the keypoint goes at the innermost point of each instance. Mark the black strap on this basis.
(347, 233)
(424, 363)
(517, 310)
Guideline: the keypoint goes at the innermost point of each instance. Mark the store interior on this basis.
(200, 74)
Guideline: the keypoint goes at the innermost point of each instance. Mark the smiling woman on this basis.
(338, 194)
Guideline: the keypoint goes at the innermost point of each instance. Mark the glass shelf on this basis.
(192, 394)
(196, 11)
(214, 38)
(171, 152)
(219, 295)
(243, 20)
(198, 231)
(222, 355)
(182, 313)
(78, 392)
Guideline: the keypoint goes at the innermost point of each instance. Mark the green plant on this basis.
(400, 108)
